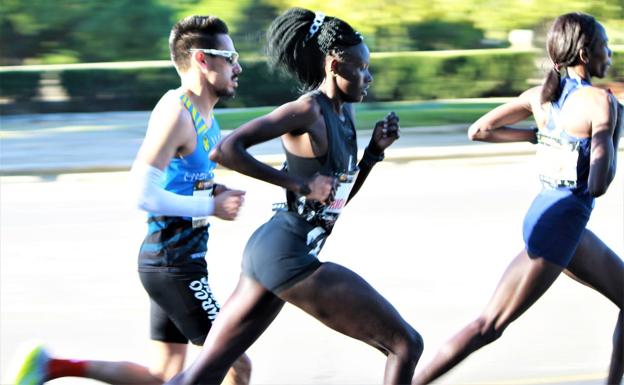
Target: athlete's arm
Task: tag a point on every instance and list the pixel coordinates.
(604, 119)
(494, 126)
(297, 116)
(169, 130)
(384, 134)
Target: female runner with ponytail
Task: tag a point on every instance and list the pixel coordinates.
(280, 260)
(579, 129)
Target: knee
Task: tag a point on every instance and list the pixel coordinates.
(410, 346)
(242, 370)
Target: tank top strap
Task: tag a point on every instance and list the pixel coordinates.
(342, 145)
(198, 120)
(569, 85)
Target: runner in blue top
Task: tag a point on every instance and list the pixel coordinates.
(578, 135)
(173, 181)
(280, 261)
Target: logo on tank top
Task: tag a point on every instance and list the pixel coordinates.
(196, 176)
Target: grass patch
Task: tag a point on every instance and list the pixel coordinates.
(412, 114)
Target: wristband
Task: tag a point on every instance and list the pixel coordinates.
(369, 159)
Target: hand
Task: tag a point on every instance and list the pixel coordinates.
(322, 188)
(228, 203)
(385, 133)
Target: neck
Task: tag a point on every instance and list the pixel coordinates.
(332, 92)
(579, 73)
(201, 94)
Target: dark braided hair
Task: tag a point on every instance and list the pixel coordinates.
(194, 32)
(289, 50)
(568, 35)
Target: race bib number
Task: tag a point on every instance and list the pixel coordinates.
(557, 161)
(202, 188)
(345, 185)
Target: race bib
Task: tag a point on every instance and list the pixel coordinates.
(557, 161)
(202, 188)
(345, 185)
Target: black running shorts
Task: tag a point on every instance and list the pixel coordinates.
(182, 306)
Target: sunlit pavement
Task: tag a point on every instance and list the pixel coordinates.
(433, 236)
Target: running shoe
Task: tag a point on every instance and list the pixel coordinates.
(29, 367)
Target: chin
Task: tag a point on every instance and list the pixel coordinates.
(226, 93)
(354, 99)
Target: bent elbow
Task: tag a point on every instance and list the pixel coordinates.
(215, 154)
(143, 204)
(598, 189)
(475, 132)
(595, 193)
(223, 151)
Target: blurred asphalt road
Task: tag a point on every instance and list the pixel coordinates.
(91, 142)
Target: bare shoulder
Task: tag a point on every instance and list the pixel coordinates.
(593, 97)
(531, 97)
(169, 108)
(532, 93)
(305, 110)
(170, 116)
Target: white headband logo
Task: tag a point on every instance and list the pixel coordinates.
(319, 17)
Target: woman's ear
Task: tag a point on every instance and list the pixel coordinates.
(334, 67)
(584, 55)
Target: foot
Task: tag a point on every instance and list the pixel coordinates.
(30, 367)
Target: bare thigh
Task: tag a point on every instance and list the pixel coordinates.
(597, 266)
(345, 302)
(242, 319)
(523, 283)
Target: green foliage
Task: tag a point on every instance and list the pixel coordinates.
(123, 89)
(260, 86)
(19, 85)
(34, 31)
(397, 76)
(450, 74)
(90, 30)
(412, 114)
(444, 35)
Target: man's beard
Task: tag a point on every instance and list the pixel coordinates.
(226, 93)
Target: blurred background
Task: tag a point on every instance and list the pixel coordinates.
(423, 49)
(78, 79)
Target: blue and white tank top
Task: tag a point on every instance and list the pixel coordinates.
(179, 244)
(563, 159)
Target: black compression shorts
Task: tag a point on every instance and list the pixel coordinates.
(182, 306)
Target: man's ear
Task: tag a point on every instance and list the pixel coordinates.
(200, 58)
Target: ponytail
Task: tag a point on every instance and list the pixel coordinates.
(292, 48)
(551, 89)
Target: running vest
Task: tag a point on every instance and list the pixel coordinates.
(339, 161)
(180, 243)
(563, 159)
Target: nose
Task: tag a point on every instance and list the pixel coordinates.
(369, 77)
(237, 68)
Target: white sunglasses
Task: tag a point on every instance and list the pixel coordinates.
(230, 56)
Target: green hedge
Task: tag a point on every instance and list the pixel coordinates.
(397, 76)
(19, 86)
(451, 74)
(114, 89)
